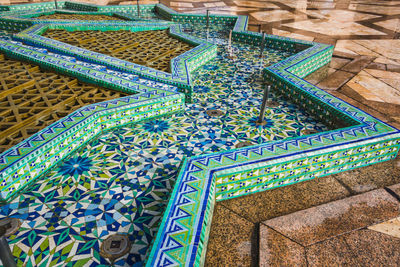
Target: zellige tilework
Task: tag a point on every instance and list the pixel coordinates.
(122, 166)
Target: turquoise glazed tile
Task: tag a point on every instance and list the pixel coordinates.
(152, 165)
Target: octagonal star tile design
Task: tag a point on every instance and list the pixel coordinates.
(120, 182)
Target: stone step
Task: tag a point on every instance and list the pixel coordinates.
(341, 232)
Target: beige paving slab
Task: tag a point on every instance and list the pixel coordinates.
(331, 252)
(144, 2)
(372, 248)
(377, 66)
(292, 35)
(321, 5)
(383, 74)
(350, 46)
(269, 16)
(338, 62)
(390, 227)
(391, 24)
(277, 250)
(335, 80)
(395, 83)
(298, 4)
(284, 200)
(395, 67)
(384, 10)
(376, 87)
(319, 75)
(230, 240)
(358, 64)
(396, 187)
(341, 15)
(385, 60)
(386, 48)
(236, 9)
(180, 4)
(319, 223)
(382, 3)
(364, 92)
(254, 4)
(333, 27)
(215, 4)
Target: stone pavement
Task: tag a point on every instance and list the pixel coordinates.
(342, 219)
(337, 220)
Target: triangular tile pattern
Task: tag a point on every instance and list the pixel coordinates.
(180, 66)
(340, 138)
(89, 70)
(381, 140)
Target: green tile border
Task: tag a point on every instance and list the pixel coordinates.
(202, 180)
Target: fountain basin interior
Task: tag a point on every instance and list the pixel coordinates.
(151, 164)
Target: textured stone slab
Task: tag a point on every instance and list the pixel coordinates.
(396, 188)
(395, 68)
(281, 201)
(322, 222)
(342, 54)
(277, 250)
(319, 75)
(230, 240)
(391, 227)
(371, 177)
(358, 64)
(331, 252)
(338, 62)
(374, 249)
(377, 66)
(336, 80)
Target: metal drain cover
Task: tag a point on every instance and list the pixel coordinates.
(262, 123)
(310, 131)
(214, 113)
(11, 224)
(115, 246)
(243, 144)
(272, 104)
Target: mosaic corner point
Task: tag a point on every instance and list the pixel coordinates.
(204, 179)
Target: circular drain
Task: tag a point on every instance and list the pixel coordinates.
(272, 104)
(243, 144)
(11, 225)
(115, 246)
(262, 123)
(310, 131)
(214, 113)
(233, 57)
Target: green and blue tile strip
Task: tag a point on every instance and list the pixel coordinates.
(182, 236)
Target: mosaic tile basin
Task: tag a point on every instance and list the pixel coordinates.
(152, 166)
